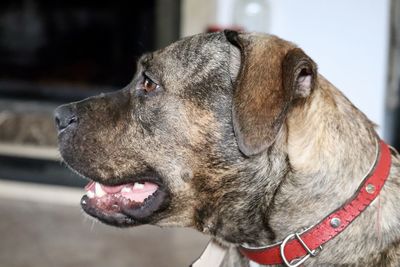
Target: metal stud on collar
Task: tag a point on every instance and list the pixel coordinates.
(370, 188)
(335, 222)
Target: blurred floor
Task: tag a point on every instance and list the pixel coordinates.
(42, 228)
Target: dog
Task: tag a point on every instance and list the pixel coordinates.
(236, 135)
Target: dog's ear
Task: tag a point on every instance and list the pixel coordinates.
(272, 74)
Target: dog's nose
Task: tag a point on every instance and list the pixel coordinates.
(65, 116)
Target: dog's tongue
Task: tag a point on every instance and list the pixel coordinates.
(91, 186)
(137, 192)
(112, 189)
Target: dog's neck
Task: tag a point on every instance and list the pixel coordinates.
(331, 146)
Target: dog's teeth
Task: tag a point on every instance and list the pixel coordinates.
(90, 194)
(126, 189)
(138, 186)
(99, 191)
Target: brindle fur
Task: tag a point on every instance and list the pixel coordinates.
(247, 152)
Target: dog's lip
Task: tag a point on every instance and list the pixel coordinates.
(122, 208)
(111, 218)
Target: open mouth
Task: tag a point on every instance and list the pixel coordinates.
(124, 204)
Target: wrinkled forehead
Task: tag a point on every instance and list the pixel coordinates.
(190, 59)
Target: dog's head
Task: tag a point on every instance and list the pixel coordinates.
(195, 139)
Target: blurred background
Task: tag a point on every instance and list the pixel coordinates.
(53, 52)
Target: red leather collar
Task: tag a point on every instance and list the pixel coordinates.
(298, 247)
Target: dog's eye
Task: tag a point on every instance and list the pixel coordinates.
(148, 85)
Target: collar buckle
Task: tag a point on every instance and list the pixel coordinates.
(298, 261)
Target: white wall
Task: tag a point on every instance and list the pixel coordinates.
(348, 39)
(349, 42)
(196, 15)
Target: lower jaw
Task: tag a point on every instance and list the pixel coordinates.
(107, 217)
(126, 213)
